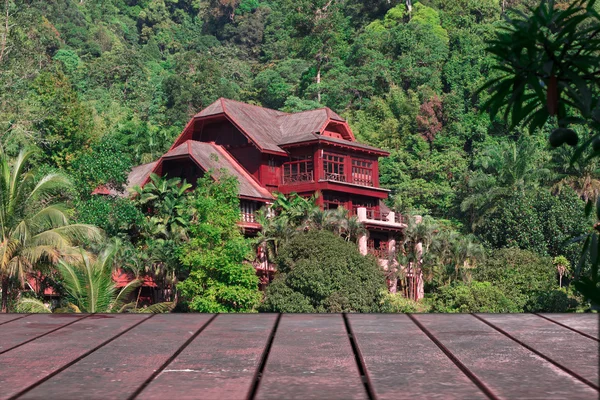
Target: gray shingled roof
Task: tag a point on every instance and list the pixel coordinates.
(270, 128)
(215, 157)
(307, 137)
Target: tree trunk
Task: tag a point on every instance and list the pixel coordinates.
(319, 83)
(4, 294)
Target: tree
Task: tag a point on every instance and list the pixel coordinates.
(481, 297)
(320, 272)
(504, 169)
(90, 287)
(521, 275)
(557, 74)
(556, 80)
(220, 279)
(563, 267)
(34, 227)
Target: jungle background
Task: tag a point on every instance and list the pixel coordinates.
(95, 87)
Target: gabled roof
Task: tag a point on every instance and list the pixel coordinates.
(311, 137)
(210, 156)
(259, 123)
(137, 176)
(268, 128)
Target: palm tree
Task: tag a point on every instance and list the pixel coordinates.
(503, 170)
(583, 175)
(91, 289)
(34, 229)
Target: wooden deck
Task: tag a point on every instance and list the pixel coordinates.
(300, 356)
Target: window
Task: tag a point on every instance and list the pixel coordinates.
(272, 164)
(333, 167)
(300, 169)
(362, 172)
(333, 201)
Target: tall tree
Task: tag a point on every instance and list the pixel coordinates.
(34, 228)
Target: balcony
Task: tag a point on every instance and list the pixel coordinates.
(383, 251)
(389, 220)
(300, 177)
(248, 211)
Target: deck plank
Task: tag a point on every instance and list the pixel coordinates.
(118, 369)
(311, 358)
(563, 346)
(586, 323)
(6, 318)
(21, 330)
(35, 361)
(506, 368)
(400, 358)
(219, 364)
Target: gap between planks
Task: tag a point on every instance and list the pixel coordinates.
(545, 357)
(478, 382)
(45, 333)
(568, 327)
(14, 319)
(81, 357)
(170, 359)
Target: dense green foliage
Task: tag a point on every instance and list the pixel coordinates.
(219, 280)
(320, 272)
(473, 297)
(98, 86)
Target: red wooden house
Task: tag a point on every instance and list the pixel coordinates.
(268, 151)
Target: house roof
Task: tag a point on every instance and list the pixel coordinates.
(210, 156)
(309, 137)
(137, 176)
(269, 129)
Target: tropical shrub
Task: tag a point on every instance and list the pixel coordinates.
(219, 278)
(321, 272)
(473, 297)
(520, 274)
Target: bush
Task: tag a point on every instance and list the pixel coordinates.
(321, 272)
(473, 297)
(520, 274)
(396, 303)
(537, 221)
(555, 301)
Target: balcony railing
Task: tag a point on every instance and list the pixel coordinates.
(248, 211)
(380, 252)
(330, 176)
(298, 178)
(377, 215)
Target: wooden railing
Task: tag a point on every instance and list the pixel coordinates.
(248, 210)
(330, 176)
(298, 178)
(381, 252)
(377, 215)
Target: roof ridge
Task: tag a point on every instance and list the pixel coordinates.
(238, 166)
(253, 105)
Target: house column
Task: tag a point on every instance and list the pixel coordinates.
(361, 214)
(419, 271)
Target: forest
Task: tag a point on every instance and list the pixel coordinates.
(89, 89)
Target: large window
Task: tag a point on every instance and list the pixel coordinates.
(333, 201)
(333, 167)
(298, 170)
(362, 172)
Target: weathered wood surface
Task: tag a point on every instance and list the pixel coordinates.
(267, 356)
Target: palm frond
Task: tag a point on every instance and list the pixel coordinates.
(27, 305)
